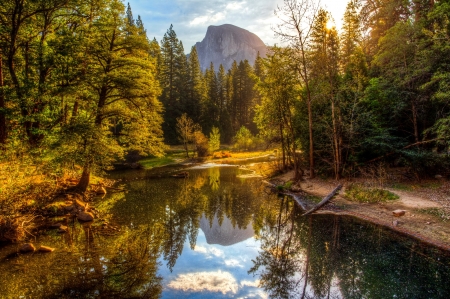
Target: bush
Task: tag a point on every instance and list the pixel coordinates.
(201, 144)
(243, 139)
(359, 193)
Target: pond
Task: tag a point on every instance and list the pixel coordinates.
(219, 234)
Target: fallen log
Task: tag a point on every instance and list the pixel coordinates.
(324, 201)
(294, 196)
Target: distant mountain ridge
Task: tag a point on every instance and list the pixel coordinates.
(226, 43)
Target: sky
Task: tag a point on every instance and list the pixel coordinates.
(191, 18)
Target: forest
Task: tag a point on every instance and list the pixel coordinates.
(83, 86)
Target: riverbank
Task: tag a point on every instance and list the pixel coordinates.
(426, 206)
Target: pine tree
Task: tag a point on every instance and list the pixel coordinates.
(120, 87)
(173, 76)
(195, 86)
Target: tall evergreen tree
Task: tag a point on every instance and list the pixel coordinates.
(173, 76)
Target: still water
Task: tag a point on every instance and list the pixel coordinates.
(218, 234)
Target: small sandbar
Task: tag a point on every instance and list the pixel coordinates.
(210, 165)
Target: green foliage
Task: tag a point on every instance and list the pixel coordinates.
(359, 193)
(243, 139)
(214, 139)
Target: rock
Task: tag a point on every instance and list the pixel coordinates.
(398, 213)
(27, 247)
(85, 216)
(101, 190)
(46, 249)
(438, 176)
(63, 229)
(80, 204)
(55, 225)
(68, 208)
(227, 43)
(395, 222)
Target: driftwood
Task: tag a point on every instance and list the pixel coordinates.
(324, 201)
(294, 196)
(181, 175)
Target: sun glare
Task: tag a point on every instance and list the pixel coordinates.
(330, 24)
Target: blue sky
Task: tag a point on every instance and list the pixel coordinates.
(191, 18)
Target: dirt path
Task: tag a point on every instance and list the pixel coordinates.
(426, 227)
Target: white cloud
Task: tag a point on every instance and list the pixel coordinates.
(208, 19)
(235, 5)
(217, 282)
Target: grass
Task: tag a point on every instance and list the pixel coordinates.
(436, 212)
(313, 198)
(414, 186)
(362, 194)
(253, 154)
(173, 155)
(148, 163)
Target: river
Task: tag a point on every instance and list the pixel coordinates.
(220, 234)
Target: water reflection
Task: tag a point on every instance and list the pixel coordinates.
(341, 257)
(216, 235)
(96, 268)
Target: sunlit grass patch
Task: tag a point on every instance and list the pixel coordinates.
(437, 212)
(363, 194)
(155, 161)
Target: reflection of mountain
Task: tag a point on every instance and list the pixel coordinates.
(224, 234)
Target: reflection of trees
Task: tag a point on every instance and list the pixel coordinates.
(281, 253)
(182, 220)
(214, 178)
(327, 256)
(123, 267)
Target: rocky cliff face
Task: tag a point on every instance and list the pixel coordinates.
(225, 43)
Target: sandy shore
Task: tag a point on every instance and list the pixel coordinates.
(415, 223)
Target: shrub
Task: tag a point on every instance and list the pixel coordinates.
(201, 144)
(359, 193)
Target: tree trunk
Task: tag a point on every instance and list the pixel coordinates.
(337, 158)
(3, 129)
(416, 129)
(75, 109)
(85, 178)
(311, 141)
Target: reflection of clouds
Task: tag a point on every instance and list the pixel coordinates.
(210, 251)
(233, 263)
(248, 283)
(257, 294)
(219, 281)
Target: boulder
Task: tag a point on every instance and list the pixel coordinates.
(27, 247)
(79, 204)
(63, 229)
(101, 190)
(46, 249)
(55, 225)
(398, 213)
(68, 208)
(85, 216)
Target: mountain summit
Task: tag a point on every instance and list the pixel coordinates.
(225, 43)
